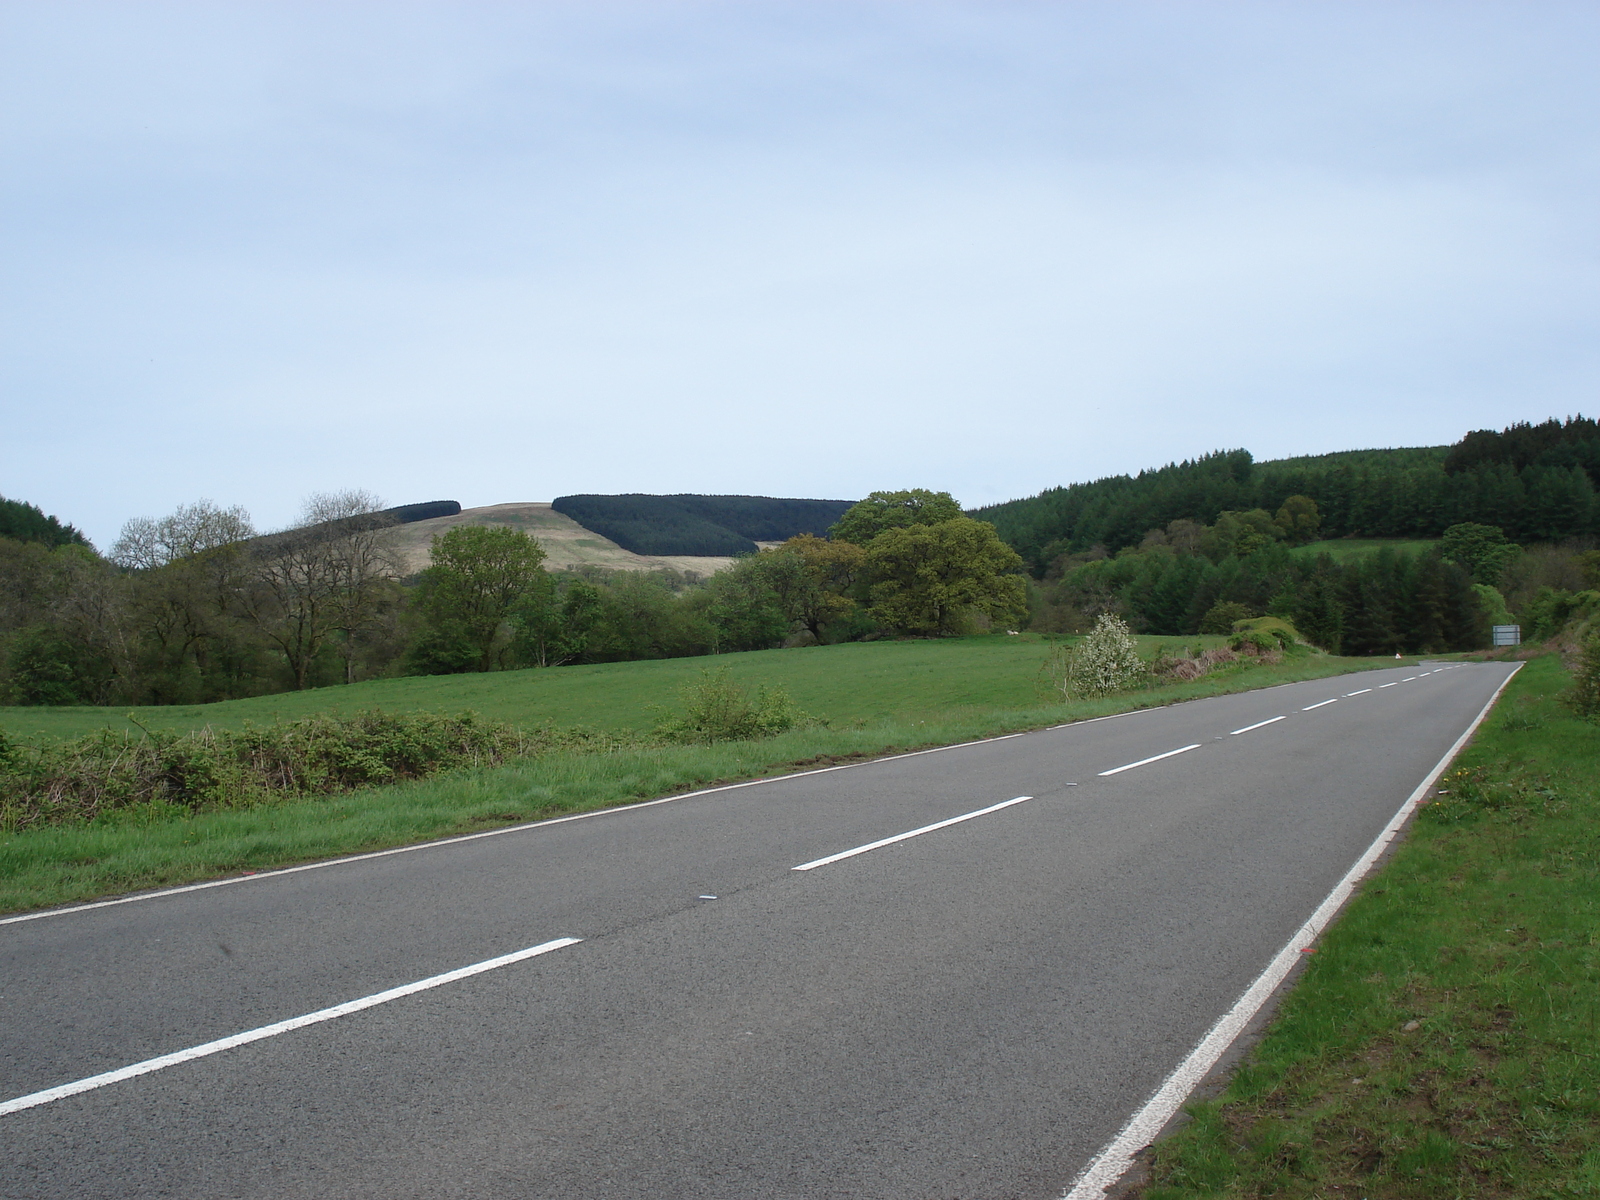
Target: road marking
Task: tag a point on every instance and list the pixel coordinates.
(1396, 683)
(488, 833)
(1151, 759)
(900, 837)
(1116, 1157)
(1091, 720)
(1408, 678)
(34, 1099)
(1257, 725)
(1319, 704)
(1362, 692)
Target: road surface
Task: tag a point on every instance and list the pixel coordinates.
(745, 1008)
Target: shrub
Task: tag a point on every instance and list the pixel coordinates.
(1584, 698)
(1106, 660)
(1281, 629)
(98, 775)
(715, 709)
(1186, 667)
(1220, 617)
(1259, 643)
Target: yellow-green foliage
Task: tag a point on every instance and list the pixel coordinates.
(1279, 628)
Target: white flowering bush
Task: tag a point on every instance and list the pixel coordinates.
(1105, 661)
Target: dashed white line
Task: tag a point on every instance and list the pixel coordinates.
(545, 823)
(1409, 678)
(1151, 759)
(1319, 704)
(1114, 1159)
(1396, 683)
(1362, 692)
(34, 1099)
(1257, 725)
(911, 833)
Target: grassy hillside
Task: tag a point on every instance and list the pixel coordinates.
(849, 682)
(566, 543)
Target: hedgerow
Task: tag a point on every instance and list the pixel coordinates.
(107, 774)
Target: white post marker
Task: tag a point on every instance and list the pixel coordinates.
(34, 1099)
(1116, 1157)
(1153, 758)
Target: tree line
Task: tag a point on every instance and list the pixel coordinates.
(23, 522)
(699, 525)
(1190, 578)
(1537, 483)
(199, 606)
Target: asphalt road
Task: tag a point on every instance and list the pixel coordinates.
(968, 1013)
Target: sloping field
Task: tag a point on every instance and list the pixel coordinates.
(1346, 549)
(855, 681)
(567, 543)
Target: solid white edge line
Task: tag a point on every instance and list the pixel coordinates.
(1309, 707)
(900, 837)
(1151, 759)
(1257, 725)
(34, 1099)
(1114, 1160)
(1132, 712)
(488, 833)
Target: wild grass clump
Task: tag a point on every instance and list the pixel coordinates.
(105, 775)
(1186, 666)
(714, 708)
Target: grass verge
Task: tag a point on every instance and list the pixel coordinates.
(1445, 1039)
(138, 849)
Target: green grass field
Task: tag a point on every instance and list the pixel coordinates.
(862, 681)
(1344, 549)
(877, 698)
(1445, 1039)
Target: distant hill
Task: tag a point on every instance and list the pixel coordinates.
(405, 514)
(1538, 483)
(699, 525)
(566, 544)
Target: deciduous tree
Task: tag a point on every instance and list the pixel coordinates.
(893, 510)
(480, 576)
(932, 579)
(822, 590)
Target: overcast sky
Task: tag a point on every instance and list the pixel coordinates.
(497, 252)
